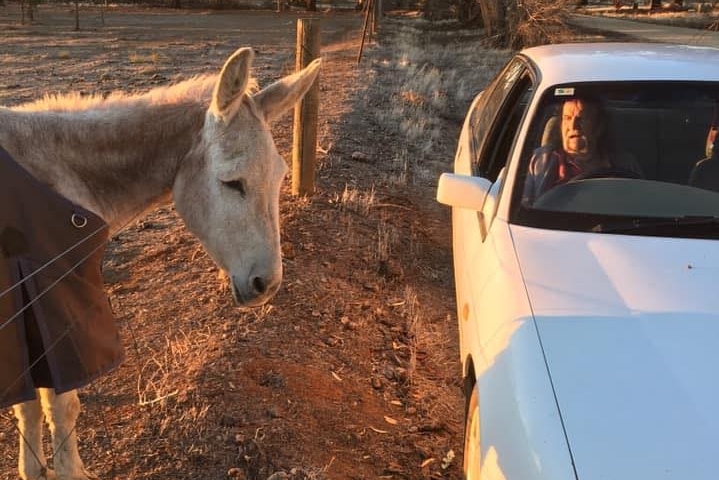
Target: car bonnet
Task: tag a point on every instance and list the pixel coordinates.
(629, 326)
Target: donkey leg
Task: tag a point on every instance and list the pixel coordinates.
(31, 463)
(61, 412)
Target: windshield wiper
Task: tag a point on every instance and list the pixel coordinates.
(695, 224)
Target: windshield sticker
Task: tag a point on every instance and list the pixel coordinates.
(564, 92)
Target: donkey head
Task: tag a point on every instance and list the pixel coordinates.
(228, 191)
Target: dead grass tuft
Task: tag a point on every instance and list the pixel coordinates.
(432, 81)
(355, 200)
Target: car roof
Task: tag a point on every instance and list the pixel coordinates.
(582, 62)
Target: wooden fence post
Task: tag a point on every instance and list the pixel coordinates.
(304, 143)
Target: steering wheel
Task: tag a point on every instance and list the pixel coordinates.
(606, 172)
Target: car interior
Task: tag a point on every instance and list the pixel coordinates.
(667, 142)
(667, 128)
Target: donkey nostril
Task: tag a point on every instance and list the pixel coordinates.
(259, 285)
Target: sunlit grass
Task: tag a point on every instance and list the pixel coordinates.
(138, 57)
(355, 200)
(432, 81)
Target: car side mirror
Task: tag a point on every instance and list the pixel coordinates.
(462, 191)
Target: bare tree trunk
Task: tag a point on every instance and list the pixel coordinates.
(494, 19)
(311, 5)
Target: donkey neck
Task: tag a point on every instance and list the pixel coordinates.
(118, 162)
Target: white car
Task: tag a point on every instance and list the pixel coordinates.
(587, 282)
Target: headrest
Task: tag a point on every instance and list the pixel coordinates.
(551, 136)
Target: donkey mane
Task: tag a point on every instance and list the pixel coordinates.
(196, 88)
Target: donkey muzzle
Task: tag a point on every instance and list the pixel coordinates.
(256, 290)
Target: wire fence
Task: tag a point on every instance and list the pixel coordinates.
(17, 319)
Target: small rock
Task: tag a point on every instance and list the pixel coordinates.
(236, 473)
(372, 287)
(360, 157)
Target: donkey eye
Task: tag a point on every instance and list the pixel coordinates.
(237, 185)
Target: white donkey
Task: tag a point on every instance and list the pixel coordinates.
(204, 143)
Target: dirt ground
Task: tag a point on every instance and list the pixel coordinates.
(352, 371)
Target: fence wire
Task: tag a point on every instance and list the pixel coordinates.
(6, 322)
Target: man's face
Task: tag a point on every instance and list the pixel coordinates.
(579, 127)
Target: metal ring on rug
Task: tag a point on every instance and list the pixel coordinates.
(78, 220)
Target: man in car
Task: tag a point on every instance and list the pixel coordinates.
(705, 173)
(584, 149)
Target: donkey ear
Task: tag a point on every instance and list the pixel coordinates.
(279, 97)
(232, 83)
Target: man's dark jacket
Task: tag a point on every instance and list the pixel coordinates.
(56, 324)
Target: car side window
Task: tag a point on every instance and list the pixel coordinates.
(495, 121)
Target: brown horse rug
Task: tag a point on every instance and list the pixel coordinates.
(56, 324)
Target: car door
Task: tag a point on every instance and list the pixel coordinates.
(488, 140)
(499, 344)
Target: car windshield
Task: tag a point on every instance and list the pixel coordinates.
(623, 157)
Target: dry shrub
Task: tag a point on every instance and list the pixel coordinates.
(537, 22)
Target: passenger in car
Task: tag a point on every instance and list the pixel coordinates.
(705, 173)
(585, 150)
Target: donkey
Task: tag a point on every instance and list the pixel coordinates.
(206, 145)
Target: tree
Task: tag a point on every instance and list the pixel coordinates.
(494, 19)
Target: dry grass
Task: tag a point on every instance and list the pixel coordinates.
(433, 81)
(431, 77)
(362, 327)
(356, 200)
(145, 57)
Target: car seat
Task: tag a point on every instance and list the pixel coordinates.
(551, 136)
